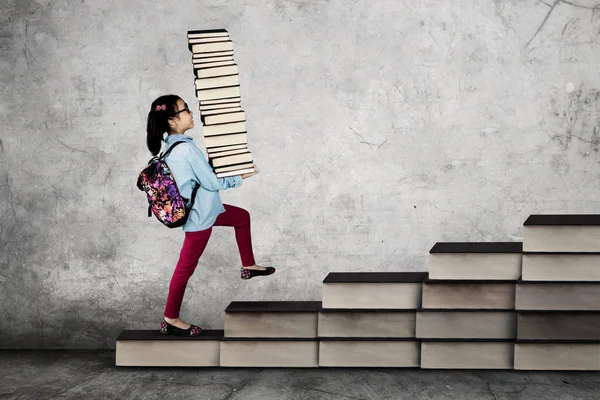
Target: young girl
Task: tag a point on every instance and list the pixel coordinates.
(170, 114)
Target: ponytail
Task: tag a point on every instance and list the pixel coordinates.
(158, 121)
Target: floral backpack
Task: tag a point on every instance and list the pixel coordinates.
(164, 198)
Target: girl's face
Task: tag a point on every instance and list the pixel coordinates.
(183, 119)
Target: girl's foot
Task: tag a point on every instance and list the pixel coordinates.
(178, 327)
(256, 270)
(256, 267)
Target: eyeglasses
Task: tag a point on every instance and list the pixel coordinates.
(186, 108)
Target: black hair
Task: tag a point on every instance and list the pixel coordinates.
(161, 110)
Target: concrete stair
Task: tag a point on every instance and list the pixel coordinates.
(467, 354)
(376, 326)
(271, 334)
(373, 290)
(470, 323)
(533, 305)
(475, 261)
(558, 297)
(150, 348)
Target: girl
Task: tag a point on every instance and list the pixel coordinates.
(188, 165)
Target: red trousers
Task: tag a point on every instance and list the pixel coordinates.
(193, 247)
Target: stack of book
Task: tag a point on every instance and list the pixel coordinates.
(216, 78)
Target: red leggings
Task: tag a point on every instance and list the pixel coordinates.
(193, 247)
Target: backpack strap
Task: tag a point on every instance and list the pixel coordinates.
(195, 190)
(166, 153)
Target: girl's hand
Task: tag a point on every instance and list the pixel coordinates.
(249, 174)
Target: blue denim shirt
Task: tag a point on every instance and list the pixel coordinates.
(188, 166)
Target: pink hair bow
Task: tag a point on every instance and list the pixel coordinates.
(163, 107)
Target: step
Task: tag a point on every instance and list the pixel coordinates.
(545, 295)
(150, 348)
(270, 352)
(272, 319)
(562, 233)
(558, 325)
(369, 352)
(469, 294)
(390, 290)
(366, 323)
(557, 356)
(475, 260)
(466, 354)
(561, 266)
(472, 323)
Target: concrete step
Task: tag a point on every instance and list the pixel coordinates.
(558, 325)
(359, 323)
(469, 294)
(150, 348)
(557, 356)
(389, 290)
(272, 319)
(466, 354)
(561, 266)
(369, 352)
(544, 295)
(270, 352)
(475, 261)
(473, 323)
(562, 233)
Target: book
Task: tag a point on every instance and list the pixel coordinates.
(224, 118)
(225, 140)
(218, 93)
(212, 107)
(220, 101)
(217, 81)
(224, 129)
(234, 167)
(230, 152)
(200, 56)
(209, 39)
(234, 173)
(213, 150)
(225, 70)
(231, 160)
(207, 33)
(210, 46)
(220, 111)
(213, 62)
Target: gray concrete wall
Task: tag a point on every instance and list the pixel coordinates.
(380, 127)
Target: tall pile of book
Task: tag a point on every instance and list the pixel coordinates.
(216, 78)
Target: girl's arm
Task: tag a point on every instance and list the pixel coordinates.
(205, 174)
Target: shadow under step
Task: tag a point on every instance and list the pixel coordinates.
(552, 295)
(471, 323)
(469, 294)
(558, 325)
(361, 323)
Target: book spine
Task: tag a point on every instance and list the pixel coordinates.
(210, 47)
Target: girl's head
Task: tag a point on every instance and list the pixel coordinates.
(168, 114)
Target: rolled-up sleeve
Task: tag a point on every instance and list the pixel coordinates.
(205, 174)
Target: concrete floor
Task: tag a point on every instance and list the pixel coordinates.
(62, 374)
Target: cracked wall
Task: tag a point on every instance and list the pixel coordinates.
(379, 129)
